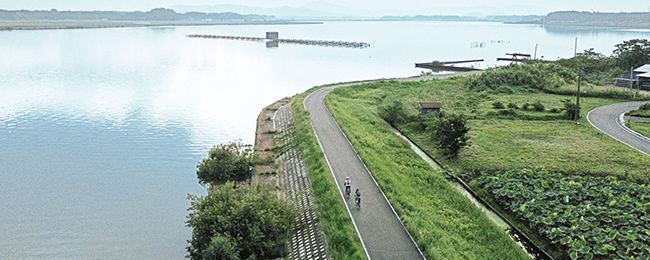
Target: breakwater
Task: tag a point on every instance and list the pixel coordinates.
(340, 44)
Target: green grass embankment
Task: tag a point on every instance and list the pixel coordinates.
(342, 239)
(444, 223)
(518, 139)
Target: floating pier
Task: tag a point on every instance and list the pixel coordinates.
(516, 57)
(272, 40)
(447, 65)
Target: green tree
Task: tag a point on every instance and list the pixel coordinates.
(590, 61)
(449, 133)
(230, 161)
(240, 222)
(632, 54)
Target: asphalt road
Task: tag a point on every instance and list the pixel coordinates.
(609, 120)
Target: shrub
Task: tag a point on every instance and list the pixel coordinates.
(527, 77)
(498, 105)
(569, 109)
(392, 112)
(538, 106)
(525, 106)
(554, 110)
(508, 112)
(230, 161)
(513, 105)
(449, 133)
(240, 221)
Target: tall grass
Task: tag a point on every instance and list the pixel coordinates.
(444, 223)
(342, 239)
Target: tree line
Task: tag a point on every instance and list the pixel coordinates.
(157, 14)
(596, 19)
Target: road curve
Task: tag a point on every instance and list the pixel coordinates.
(382, 233)
(609, 120)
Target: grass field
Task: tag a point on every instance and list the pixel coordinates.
(498, 142)
(444, 223)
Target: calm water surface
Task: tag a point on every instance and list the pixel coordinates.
(101, 130)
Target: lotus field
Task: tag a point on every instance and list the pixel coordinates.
(587, 217)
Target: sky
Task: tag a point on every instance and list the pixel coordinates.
(532, 7)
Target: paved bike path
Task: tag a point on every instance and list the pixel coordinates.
(608, 119)
(382, 233)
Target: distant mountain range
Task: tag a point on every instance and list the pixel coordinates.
(322, 10)
(158, 14)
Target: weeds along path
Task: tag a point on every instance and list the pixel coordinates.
(609, 120)
(382, 233)
(308, 241)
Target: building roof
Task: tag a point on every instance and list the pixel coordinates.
(643, 69)
(430, 104)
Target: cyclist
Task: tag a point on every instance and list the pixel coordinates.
(358, 197)
(347, 184)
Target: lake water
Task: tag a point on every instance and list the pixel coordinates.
(101, 129)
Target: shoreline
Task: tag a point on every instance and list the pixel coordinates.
(27, 25)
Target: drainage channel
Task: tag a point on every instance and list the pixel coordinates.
(519, 237)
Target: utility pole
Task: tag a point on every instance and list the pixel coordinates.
(535, 56)
(631, 80)
(575, 49)
(578, 95)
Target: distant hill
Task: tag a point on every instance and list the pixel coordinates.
(595, 19)
(313, 10)
(158, 14)
(500, 18)
(320, 9)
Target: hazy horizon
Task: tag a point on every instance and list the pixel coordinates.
(376, 7)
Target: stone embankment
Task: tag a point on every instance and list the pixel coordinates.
(275, 138)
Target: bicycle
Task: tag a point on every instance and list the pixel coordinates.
(347, 192)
